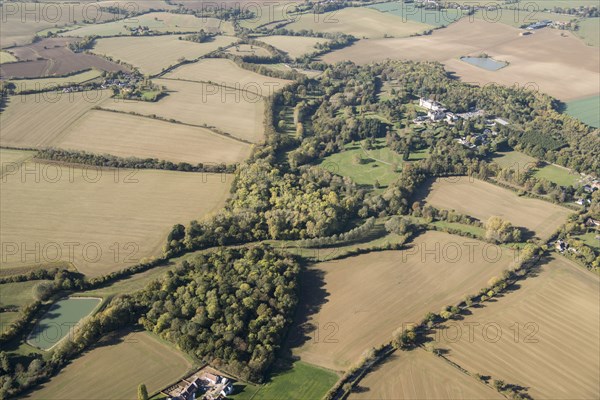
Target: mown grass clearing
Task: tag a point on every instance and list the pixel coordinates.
(551, 322)
(408, 12)
(589, 31)
(14, 296)
(361, 300)
(115, 368)
(300, 381)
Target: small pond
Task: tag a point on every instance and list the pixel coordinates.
(485, 62)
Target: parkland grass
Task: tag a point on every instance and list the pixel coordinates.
(586, 110)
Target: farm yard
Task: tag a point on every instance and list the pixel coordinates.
(226, 73)
(360, 22)
(360, 307)
(295, 46)
(158, 22)
(59, 321)
(153, 54)
(418, 374)
(125, 135)
(235, 112)
(558, 315)
(115, 367)
(75, 205)
(482, 200)
(540, 61)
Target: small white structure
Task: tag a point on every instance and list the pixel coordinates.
(431, 105)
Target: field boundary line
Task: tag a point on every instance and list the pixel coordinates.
(213, 83)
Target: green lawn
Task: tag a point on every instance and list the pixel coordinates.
(559, 175)
(17, 294)
(514, 159)
(474, 230)
(586, 110)
(128, 285)
(377, 164)
(590, 239)
(302, 381)
(589, 31)
(57, 322)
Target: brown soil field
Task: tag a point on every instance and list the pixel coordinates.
(226, 73)
(563, 67)
(295, 46)
(52, 57)
(113, 218)
(358, 302)
(21, 21)
(38, 120)
(358, 21)
(152, 54)
(483, 200)
(418, 375)
(127, 135)
(239, 113)
(545, 336)
(115, 368)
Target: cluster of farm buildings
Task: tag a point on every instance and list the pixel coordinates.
(205, 384)
(437, 112)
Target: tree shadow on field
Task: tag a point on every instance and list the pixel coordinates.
(312, 297)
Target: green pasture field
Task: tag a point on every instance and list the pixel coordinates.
(56, 323)
(301, 381)
(586, 110)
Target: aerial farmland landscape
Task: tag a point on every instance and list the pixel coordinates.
(299, 199)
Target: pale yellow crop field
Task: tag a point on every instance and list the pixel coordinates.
(152, 54)
(102, 220)
(545, 336)
(225, 72)
(115, 368)
(359, 22)
(127, 135)
(37, 120)
(157, 22)
(420, 375)
(238, 113)
(295, 46)
(368, 297)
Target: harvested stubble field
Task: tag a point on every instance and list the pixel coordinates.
(248, 50)
(156, 22)
(556, 356)
(417, 375)
(52, 56)
(152, 54)
(115, 368)
(37, 120)
(53, 83)
(358, 21)
(562, 66)
(117, 217)
(21, 20)
(362, 300)
(295, 46)
(482, 200)
(236, 112)
(225, 72)
(127, 135)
